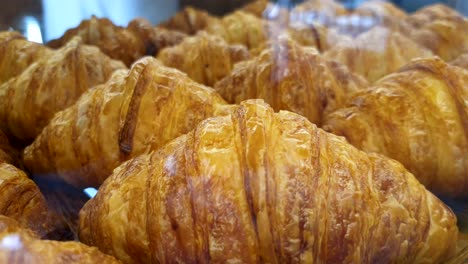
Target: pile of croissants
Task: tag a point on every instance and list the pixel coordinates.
(314, 134)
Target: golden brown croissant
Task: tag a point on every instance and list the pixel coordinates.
(291, 77)
(29, 100)
(431, 13)
(446, 37)
(418, 116)
(376, 53)
(260, 187)
(21, 199)
(17, 54)
(128, 44)
(461, 61)
(205, 58)
(189, 20)
(22, 246)
(134, 112)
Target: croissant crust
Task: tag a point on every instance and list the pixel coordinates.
(260, 187)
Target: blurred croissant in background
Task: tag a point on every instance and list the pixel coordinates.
(128, 44)
(205, 58)
(29, 100)
(418, 116)
(376, 53)
(17, 54)
(263, 187)
(291, 77)
(134, 112)
(19, 245)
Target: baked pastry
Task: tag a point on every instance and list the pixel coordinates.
(189, 20)
(431, 13)
(418, 116)
(29, 100)
(205, 58)
(128, 44)
(240, 28)
(21, 199)
(18, 54)
(22, 246)
(134, 112)
(445, 37)
(461, 61)
(291, 77)
(260, 187)
(376, 53)
(324, 11)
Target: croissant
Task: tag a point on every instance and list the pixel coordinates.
(18, 54)
(291, 77)
(418, 116)
(326, 10)
(19, 245)
(445, 37)
(260, 187)
(461, 61)
(128, 44)
(431, 13)
(134, 112)
(21, 199)
(204, 57)
(29, 100)
(376, 53)
(189, 20)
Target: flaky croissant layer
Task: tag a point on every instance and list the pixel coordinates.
(22, 246)
(418, 116)
(260, 187)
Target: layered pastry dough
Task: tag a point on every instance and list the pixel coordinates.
(291, 77)
(205, 58)
(29, 100)
(134, 112)
(22, 246)
(128, 44)
(17, 54)
(418, 116)
(21, 199)
(378, 52)
(260, 187)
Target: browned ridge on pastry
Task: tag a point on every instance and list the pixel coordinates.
(17, 54)
(134, 112)
(291, 77)
(418, 116)
(22, 246)
(29, 100)
(128, 44)
(205, 58)
(260, 187)
(378, 52)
